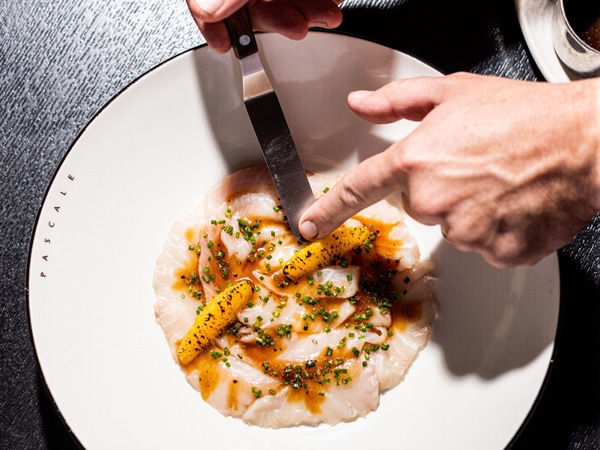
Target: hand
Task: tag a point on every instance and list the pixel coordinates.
(509, 169)
(291, 18)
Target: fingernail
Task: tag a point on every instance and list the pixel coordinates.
(360, 94)
(209, 6)
(320, 24)
(308, 230)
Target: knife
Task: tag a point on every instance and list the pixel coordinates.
(270, 126)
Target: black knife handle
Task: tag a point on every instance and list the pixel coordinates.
(241, 33)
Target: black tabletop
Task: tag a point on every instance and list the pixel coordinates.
(62, 61)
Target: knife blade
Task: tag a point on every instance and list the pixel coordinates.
(269, 123)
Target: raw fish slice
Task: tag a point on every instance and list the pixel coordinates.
(176, 314)
(409, 338)
(302, 347)
(344, 278)
(345, 403)
(400, 245)
(229, 384)
(286, 325)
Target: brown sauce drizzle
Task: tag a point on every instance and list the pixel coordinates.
(186, 277)
(309, 381)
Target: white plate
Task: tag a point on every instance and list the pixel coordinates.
(535, 17)
(168, 138)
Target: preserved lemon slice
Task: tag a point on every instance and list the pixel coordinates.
(324, 252)
(213, 319)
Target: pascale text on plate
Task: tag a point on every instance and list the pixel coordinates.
(49, 222)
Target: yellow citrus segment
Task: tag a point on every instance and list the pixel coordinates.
(213, 319)
(324, 252)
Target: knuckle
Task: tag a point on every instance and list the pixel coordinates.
(350, 197)
(472, 232)
(427, 205)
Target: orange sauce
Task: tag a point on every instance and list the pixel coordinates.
(310, 381)
(208, 374)
(187, 275)
(404, 314)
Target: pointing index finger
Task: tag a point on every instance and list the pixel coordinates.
(371, 181)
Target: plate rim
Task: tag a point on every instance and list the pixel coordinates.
(547, 62)
(43, 203)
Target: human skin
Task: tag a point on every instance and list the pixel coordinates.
(507, 168)
(290, 18)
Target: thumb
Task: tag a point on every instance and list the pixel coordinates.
(410, 98)
(213, 10)
(371, 181)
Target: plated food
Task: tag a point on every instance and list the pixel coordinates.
(487, 314)
(281, 333)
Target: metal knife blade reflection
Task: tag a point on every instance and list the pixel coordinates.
(270, 126)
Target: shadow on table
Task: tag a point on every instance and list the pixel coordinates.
(567, 413)
(493, 321)
(312, 88)
(58, 434)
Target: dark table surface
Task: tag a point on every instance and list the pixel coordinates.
(62, 61)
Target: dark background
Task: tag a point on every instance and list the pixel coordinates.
(62, 61)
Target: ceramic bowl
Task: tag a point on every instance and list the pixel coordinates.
(576, 36)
